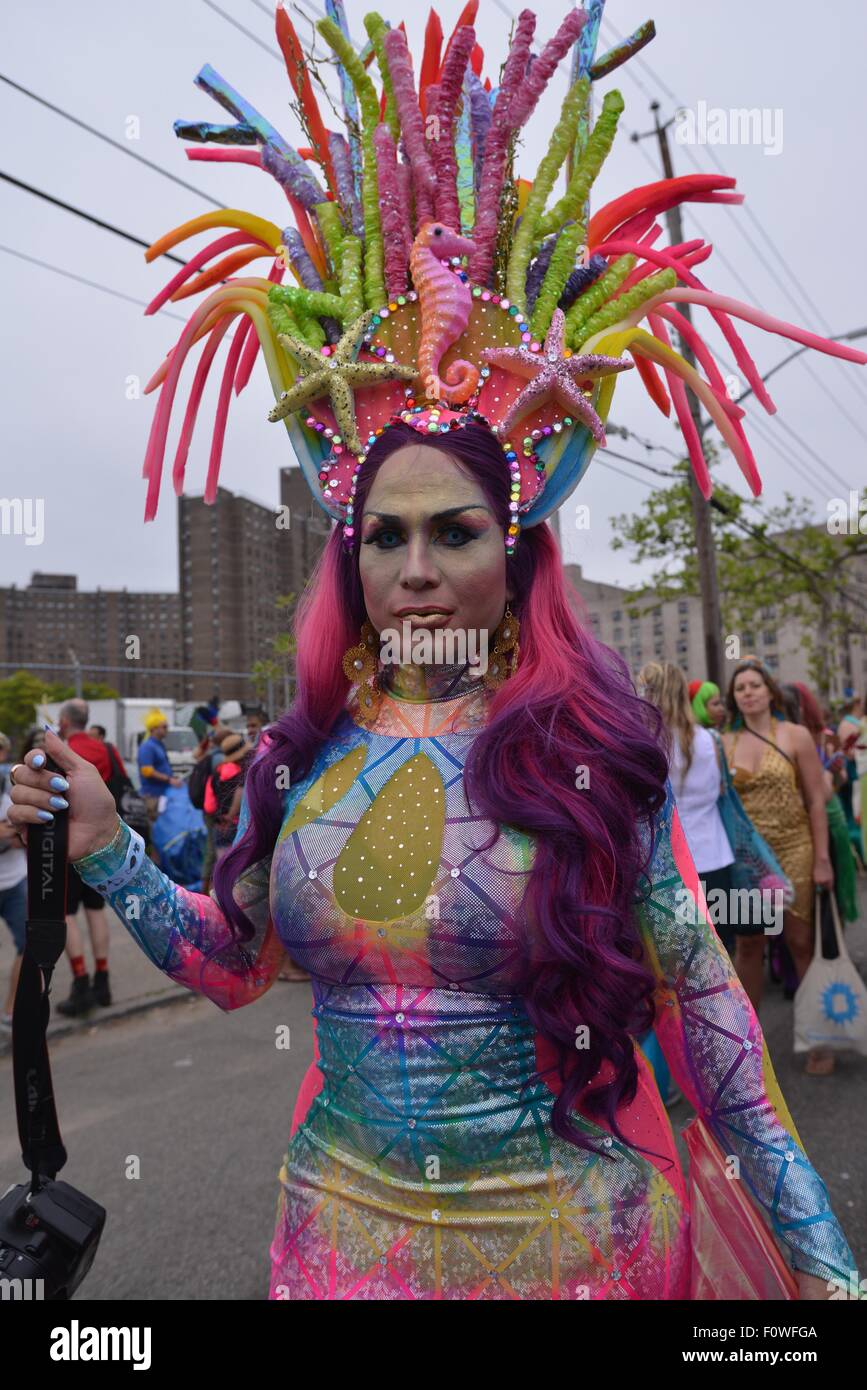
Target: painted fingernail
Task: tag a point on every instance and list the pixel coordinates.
(59, 803)
(38, 759)
(59, 784)
(45, 815)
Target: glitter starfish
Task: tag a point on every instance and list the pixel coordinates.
(553, 377)
(335, 376)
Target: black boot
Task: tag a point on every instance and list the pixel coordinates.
(101, 991)
(80, 999)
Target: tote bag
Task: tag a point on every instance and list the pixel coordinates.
(831, 1001)
(733, 1253)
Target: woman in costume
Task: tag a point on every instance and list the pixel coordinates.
(708, 705)
(694, 757)
(777, 774)
(480, 864)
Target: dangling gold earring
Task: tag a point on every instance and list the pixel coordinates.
(504, 657)
(359, 667)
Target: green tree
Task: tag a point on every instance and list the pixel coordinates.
(778, 557)
(90, 690)
(21, 692)
(279, 661)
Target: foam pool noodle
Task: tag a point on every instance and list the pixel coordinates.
(561, 139)
(376, 31)
(582, 277)
(593, 298)
(561, 266)
(587, 167)
(374, 283)
(630, 300)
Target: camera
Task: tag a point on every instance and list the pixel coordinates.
(48, 1238)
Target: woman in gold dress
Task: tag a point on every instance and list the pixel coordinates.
(778, 776)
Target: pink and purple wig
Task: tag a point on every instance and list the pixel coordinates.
(570, 754)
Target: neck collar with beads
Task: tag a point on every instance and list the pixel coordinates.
(421, 684)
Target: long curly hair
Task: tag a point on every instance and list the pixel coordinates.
(569, 755)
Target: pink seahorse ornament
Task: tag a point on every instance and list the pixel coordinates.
(445, 302)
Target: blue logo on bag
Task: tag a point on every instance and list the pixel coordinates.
(840, 1003)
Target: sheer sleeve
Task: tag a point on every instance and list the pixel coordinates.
(712, 1041)
(186, 934)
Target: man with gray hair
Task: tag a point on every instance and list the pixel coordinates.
(72, 726)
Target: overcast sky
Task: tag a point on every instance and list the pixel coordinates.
(73, 438)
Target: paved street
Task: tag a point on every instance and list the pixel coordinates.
(204, 1100)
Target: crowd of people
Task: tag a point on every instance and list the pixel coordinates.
(766, 781)
(215, 788)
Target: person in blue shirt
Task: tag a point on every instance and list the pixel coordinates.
(154, 767)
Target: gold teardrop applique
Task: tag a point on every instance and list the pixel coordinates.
(390, 860)
(326, 791)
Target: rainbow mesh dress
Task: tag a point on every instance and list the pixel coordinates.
(422, 1163)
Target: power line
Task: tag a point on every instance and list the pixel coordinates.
(620, 473)
(762, 427)
(116, 144)
(87, 216)
(855, 384)
(626, 433)
(816, 460)
(236, 24)
(317, 9)
(82, 280)
(270, 11)
(776, 550)
(625, 458)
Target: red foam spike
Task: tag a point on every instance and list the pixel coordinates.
(430, 63)
(650, 195)
(299, 76)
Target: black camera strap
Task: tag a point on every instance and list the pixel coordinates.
(47, 852)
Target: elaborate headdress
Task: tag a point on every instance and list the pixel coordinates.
(431, 284)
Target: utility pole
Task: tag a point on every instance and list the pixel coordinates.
(706, 554)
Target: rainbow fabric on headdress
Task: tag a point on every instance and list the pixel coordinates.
(427, 274)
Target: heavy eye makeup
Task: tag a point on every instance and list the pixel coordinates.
(387, 533)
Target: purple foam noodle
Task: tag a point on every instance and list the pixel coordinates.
(395, 232)
(308, 275)
(542, 68)
(480, 122)
(344, 175)
(538, 269)
(404, 188)
(412, 125)
(291, 178)
(582, 278)
(301, 259)
(443, 148)
(496, 150)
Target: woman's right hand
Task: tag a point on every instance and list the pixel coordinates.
(92, 812)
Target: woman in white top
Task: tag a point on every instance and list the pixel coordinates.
(696, 778)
